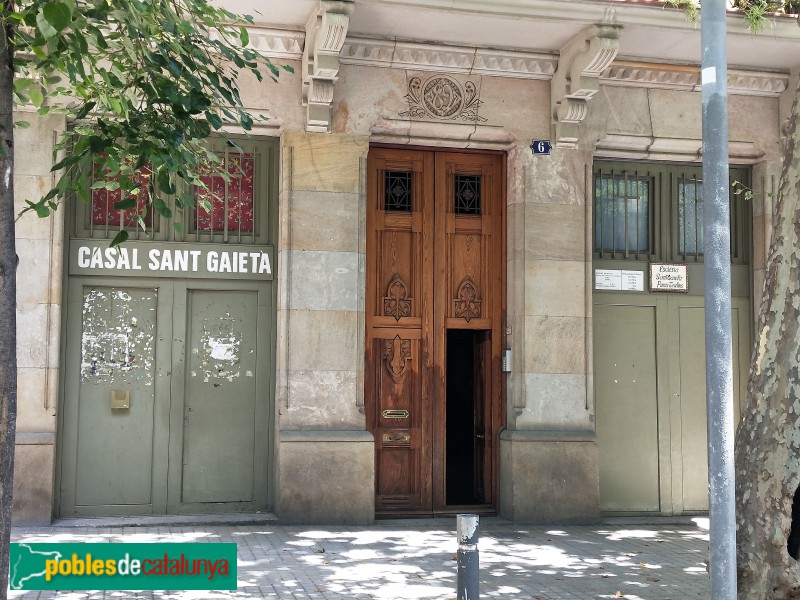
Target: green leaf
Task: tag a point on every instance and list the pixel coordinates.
(126, 204)
(162, 208)
(45, 28)
(214, 120)
(21, 124)
(58, 14)
(36, 96)
(39, 208)
(244, 37)
(120, 238)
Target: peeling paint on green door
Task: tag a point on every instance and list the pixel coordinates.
(193, 362)
(168, 389)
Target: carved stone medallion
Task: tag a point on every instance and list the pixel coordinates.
(396, 353)
(396, 303)
(442, 97)
(467, 304)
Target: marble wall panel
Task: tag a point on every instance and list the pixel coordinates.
(36, 144)
(365, 95)
(29, 226)
(324, 221)
(33, 484)
(36, 395)
(560, 178)
(555, 231)
(324, 281)
(555, 288)
(326, 477)
(555, 345)
(619, 110)
(323, 162)
(555, 401)
(33, 332)
(324, 340)
(676, 114)
(280, 100)
(322, 400)
(33, 275)
(755, 119)
(548, 480)
(521, 107)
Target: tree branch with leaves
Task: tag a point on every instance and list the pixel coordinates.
(142, 84)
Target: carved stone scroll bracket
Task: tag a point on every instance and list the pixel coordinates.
(325, 34)
(396, 303)
(577, 78)
(467, 304)
(396, 354)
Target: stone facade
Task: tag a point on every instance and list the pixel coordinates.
(638, 105)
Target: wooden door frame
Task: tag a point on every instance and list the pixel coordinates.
(436, 479)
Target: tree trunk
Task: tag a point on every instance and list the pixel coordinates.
(768, 438)
(8, 302)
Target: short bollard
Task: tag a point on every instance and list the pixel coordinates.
(467, 582)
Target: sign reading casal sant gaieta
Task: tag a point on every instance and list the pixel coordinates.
(170, 259)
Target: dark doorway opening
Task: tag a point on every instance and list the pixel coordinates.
(465, 407)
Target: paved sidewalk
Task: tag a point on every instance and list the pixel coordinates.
(415, 559)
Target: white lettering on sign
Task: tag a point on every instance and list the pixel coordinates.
(668, 278)
(170, 260)
(108, 258)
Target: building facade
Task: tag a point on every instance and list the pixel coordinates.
(459, 267)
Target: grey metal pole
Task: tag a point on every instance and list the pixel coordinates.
(719, 348)
(468, 584)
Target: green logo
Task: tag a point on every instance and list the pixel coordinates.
(203, 566)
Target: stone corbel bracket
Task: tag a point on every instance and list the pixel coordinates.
(325, 34)
(582, 61)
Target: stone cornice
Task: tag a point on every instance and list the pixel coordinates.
(641, 74)
(277, 43)
(524, 65)
(451, 59)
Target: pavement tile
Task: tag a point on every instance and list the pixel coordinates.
(414, 560)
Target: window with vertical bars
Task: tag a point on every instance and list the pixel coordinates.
(397, 191)
(467, 194)
(227, 201)
(646, 211)
(690, 216)
(104, 200)
(622, 215)
(232, 208)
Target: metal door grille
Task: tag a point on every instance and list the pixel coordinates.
(622, 214)
(233, 209)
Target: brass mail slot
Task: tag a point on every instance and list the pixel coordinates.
(389, 437)
(120, 400)
(395, 414)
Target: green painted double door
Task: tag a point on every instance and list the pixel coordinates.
(166, 397)
(649, 378)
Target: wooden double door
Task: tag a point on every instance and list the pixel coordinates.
(434, 328)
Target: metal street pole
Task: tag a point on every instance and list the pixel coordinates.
(719, 352)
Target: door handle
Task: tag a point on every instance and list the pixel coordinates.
(480, 436)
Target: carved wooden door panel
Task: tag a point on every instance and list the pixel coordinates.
(468, 287)
(398, 318)
(435, 262)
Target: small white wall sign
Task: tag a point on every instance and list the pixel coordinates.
(607, 279)
(669, 277)
(619, 280)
